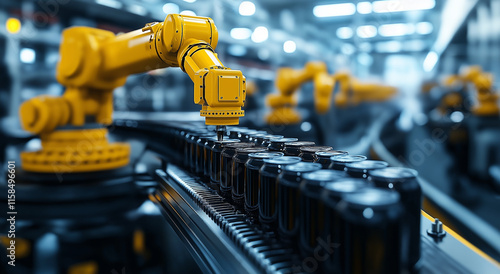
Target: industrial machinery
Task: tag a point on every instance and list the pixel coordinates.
(93, 62)
(351, 91)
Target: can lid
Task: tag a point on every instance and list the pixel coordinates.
(248, 150)
(300, 144)
(270, 136)
(330, 153)
(348, 158)
(323, 175)
(282, 140)
(393, 173)
(226, 141)
(344, 185)
(265, 155)
(366, 165)
(371, 197)
(285, 160)
(313, 149)
(302, 167)
(239, 145)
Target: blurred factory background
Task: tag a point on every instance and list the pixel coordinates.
(422, 83)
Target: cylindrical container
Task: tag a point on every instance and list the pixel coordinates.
(334, 226)
(215, 161)
(360, 169)
(307, 153)
(404, 181)
(324, 157)
(372, 218)
(207, 151)
(289, 199)
(264, 141)
(278, 144)
(192, 149)
(200, 152)
(246, 136)
(339, 161)
(235, 132)
(226, 167)
(312, 209)
(268, 190)
(293, 148)
(239, 171)
(252, 180)
(251, 136)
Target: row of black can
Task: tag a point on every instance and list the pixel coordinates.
(343, 212)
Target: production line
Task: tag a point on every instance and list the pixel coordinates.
(141, 152)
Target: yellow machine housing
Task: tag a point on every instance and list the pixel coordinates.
(93, 62)
(351, 91)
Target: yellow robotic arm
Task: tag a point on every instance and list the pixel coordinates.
(487, 98)
(353, 92)
(288, 80)
(93, 62)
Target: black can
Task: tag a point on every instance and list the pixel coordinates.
(324, 157)
(207, 151)
(404, 181)
(312, 209)
(268, 190)
(226, 167)
(334, 226)
(372, 218)
(239, 171)
(307, 153)
(289, 199)
(252, 180)
(293, 148)
(360, 169)
(252, 135)
(235, 133)
(192, 149)
(339, 161)
(264, 141)
(278, 144)
(200, 152)
(216, 160)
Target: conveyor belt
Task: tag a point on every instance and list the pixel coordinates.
(223, 239)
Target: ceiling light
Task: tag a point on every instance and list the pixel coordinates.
(289, 46)
(424, 28)
(402, 5)
(190, 1)
(390, 30)
(367, 31)
(241, 33)
(27, 55)
(260, 34)
(170, 8)
(364, 7)
(247, 8)
(334, 10)
(345, 32)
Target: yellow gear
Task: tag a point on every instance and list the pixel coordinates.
(81, 150)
